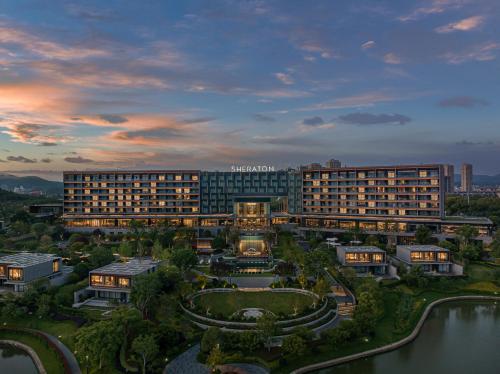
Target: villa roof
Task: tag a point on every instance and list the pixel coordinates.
(133, 267)
(26, 259)
(423, 248)
(361, 248)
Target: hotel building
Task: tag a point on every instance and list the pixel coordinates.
(385, 199)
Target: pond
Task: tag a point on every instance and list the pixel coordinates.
(15, 360)
(458, 338)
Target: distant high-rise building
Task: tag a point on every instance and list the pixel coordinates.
(314, 165)
(333, 164)
(449, 178)
(466, 178)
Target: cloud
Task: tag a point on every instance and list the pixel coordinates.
(374, 119)
(46, 160)
(467, 143)
(113, 118)
(21, 159)
(313, 121)
(367, 45)
(466, 24)
(481, 52)
(316, 122)
(78, 160)
(462, 102)
(392, 58)
(36, 44)
(263, 118)
(432, 7)
(284, 78)
(355, 101)
(31, 133)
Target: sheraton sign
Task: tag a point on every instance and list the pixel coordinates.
(254, 168)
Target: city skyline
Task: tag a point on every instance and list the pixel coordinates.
(210, 85)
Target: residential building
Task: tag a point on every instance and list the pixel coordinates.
(115, 280)
(449, 178)
(19, 270)
(333, 164)
(432, 259)
(466, 178)
(363, 259)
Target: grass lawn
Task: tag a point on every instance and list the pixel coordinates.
(277, 302)
(63, 330)
(478, 272)
(49, 357)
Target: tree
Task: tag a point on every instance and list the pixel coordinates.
(210, 339)
(100, 257)
(423, 235)
(39, 229)
(294, 346)
(218, 243)
(99, 342)
(43, 305)
(146, 347)
(315, 262)
(215, 358)
(349, 274)
(321, 288)
(126, 249)
(145, 289)
(366, 312)
(268, 328)
(302, 279)
(158, 252)
(137, 230)
(184, 259)
(466, 234)
(471, 252)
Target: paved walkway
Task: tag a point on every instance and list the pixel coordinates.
(186, 363)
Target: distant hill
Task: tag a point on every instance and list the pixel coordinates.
(31, 183)
(481, 180)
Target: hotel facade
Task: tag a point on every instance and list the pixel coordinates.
(384, 199)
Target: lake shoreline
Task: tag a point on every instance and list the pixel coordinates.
(398, 344)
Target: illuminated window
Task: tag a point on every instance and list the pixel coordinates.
(391, 174)
(324, 176)
(55, 266)
(422, 173)
(123, 282)
(15, 274)
(137, 184)
(194, 177)
(442, 256)
(161, 177)
(361, 174)
(178, 177)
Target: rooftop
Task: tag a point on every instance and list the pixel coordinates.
(133, 267)
(26, 259)
(361, 248)
(423, 248)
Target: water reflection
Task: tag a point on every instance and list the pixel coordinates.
(461, 337)
(15, 360)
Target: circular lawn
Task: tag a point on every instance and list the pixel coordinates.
(227, 303)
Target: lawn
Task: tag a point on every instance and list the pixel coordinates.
(49, 357)
(226, 303)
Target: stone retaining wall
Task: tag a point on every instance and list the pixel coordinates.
(30, 351)
(395, 345)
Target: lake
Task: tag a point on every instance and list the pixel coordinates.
(458, 337)
(15, 360)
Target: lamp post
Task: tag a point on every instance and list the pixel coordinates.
(87, 364)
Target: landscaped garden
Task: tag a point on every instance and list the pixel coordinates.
(226, 304)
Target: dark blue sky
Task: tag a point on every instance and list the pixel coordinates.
(208, 84)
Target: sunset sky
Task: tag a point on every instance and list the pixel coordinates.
(208, 84)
